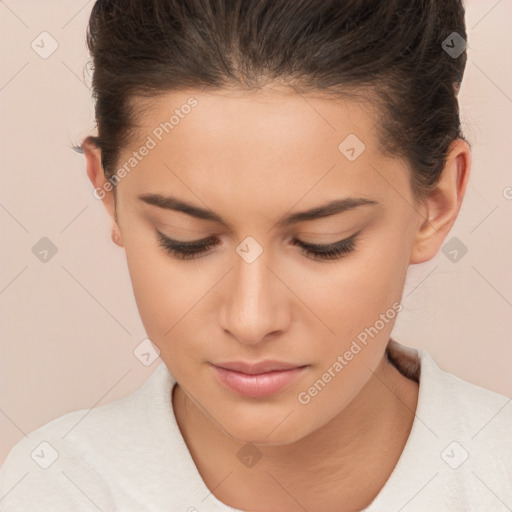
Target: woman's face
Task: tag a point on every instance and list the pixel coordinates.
(248, 164)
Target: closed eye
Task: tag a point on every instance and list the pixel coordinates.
(328, 251)
(196, 248)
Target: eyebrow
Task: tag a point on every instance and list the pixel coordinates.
(325, 210)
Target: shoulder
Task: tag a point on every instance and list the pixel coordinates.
(472, 427)
(459, 452)
(446, 398)
(472, 407)
(73, 459)
(41, 470)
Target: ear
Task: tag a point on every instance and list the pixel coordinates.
(442, 205)
(103, 189)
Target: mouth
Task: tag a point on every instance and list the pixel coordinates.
(257, 380)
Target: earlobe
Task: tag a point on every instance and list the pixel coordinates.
(443, 204)
(116, 237)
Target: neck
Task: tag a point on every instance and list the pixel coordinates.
(365, 439)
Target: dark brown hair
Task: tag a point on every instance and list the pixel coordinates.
(390, 50)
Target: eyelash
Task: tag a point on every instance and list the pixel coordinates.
(191, 250)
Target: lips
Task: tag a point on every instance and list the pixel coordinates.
(257, 379)
(256, 368)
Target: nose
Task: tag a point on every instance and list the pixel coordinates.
(256, 303)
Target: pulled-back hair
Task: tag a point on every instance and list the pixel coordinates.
(392, 51)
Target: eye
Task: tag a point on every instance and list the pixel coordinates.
(333, 251)
(191, 250)
(186, 250)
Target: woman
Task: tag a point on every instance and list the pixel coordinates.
(272, 168)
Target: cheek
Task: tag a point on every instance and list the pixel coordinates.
(163, 291)
(352, 294)
(359, 300)
(177, 300)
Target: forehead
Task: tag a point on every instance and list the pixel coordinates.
(274, 144)
(259, 115)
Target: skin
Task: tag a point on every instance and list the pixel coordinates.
(253, 158)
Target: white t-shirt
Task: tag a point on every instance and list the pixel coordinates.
(129, 455)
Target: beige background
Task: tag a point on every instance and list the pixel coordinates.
(69, 326)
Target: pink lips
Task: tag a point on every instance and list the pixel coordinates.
(257, 380)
